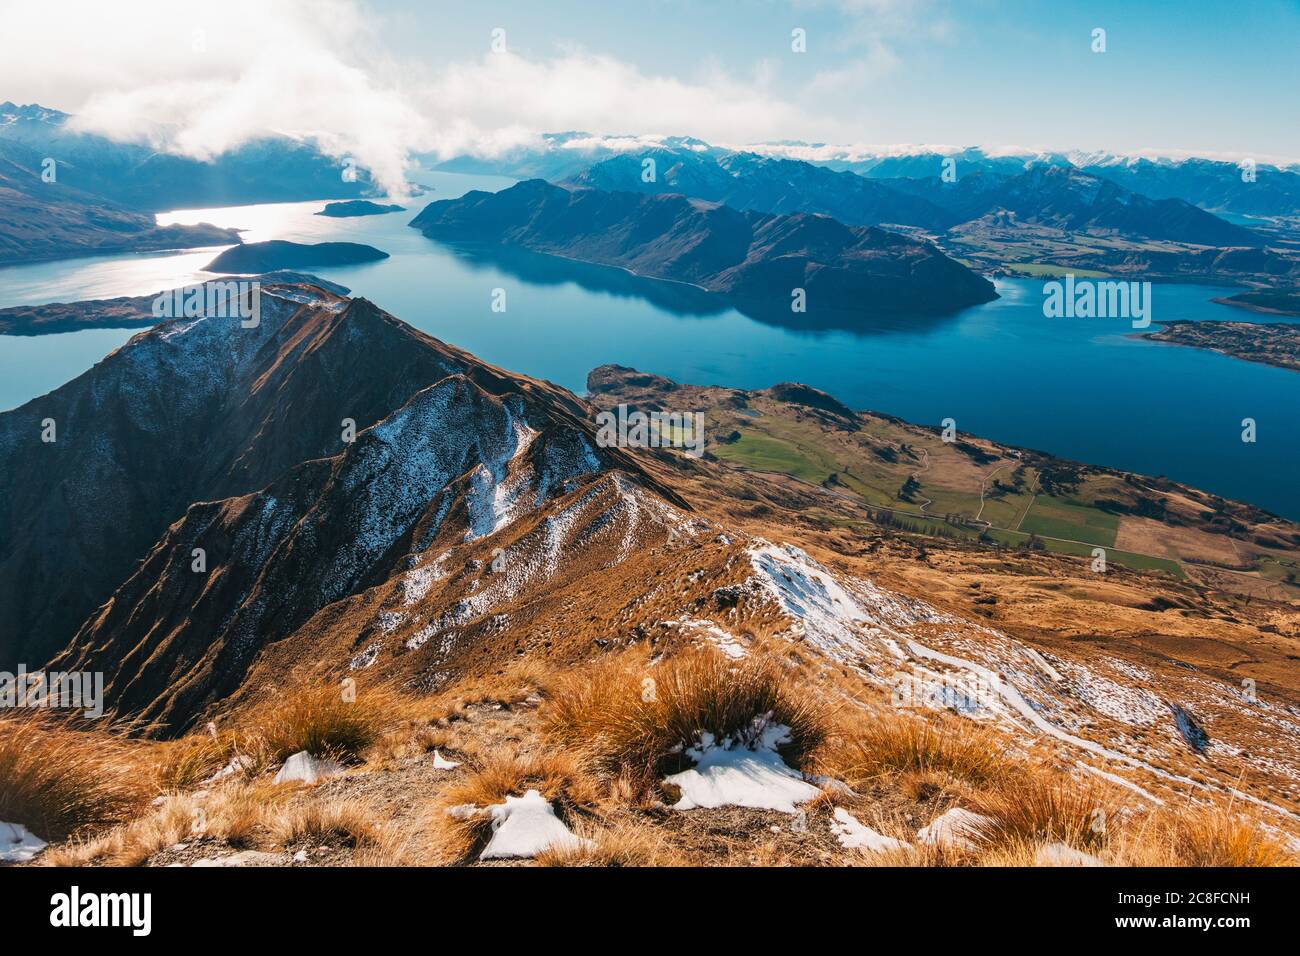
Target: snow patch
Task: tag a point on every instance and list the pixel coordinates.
(854, 835)
(442, 763)
(523, 827)
(18, 844)
(733, 774)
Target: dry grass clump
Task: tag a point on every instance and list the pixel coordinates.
(237, 813)
(521, 681)
(411, 739)
(459, 826)
(327, 722)
(1205, 836)
(928, 751)
(59, 782)
(1047, 807)
(194, 759)
(632, 719)
(133, 843)
(625, 843)
(349, 823)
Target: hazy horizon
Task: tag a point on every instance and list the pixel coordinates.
(383, 80)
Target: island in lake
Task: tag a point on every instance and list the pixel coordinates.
(801, 264)
(358, 207)
(1270, 343)
(280, 254)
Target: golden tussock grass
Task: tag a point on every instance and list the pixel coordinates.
(350, 823)
(411, 739)
(1203, 836)
(133, 843)
(625, 843)
(630, 718)
(328, 720)
(514, 684)
(194, 759)
(57, 781)
(238, 814)
(1048, 807)
(928, 750)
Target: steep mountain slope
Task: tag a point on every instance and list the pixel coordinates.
(458, 462)
(191, 410)
(750, 256)
(477, 530)
(46, 220)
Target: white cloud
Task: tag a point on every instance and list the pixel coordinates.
(198, 78)
(496, 97)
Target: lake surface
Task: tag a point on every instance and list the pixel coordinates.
(1084, 389)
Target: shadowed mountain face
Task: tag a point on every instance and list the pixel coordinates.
(746, 255)
(207, 411)
(457, 455)
(46, 220)
(140, 177)
(766, 184)
(182, 424)
(1213, 185)
(1065, 198)
(1056, 195)
(191, 410)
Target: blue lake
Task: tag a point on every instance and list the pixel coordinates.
(1085, 389)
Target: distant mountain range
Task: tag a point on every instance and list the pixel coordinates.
(1018, 213)
(1214, 185)
(751, 256)
(1059, 196)
(766, 184)
(272, 169)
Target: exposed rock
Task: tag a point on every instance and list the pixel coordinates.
(956, 829)
(1060, 854)
(302, 767)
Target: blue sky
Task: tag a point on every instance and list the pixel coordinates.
(1191, 75)
(380, 79)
